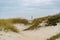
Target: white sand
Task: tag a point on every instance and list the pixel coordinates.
(21, 26)
(40, 34)
(43, 33)
(12, 36)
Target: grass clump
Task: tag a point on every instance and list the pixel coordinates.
(53, 20)
(15, 20)
(4, 26)
(54, 37)
(7, 24)
(18, 20)
(33, 27)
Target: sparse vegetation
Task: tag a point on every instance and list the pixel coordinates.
(7, 27)
(7, 24)
(18, 20)
(23, 21)
(35, 23)
(53, 20)
(54, 37)
(32, 27)
(50, 20)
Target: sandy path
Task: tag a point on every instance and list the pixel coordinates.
(41, 34)
(12, 36)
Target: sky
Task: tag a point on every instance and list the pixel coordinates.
(28, 8)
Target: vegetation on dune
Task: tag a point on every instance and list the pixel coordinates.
(7, 24)
(33, 26)
(18, 20)
(36, 22)
(40, 20)
(54, 37)
(53, 20)
(8, 27)
(49, 20)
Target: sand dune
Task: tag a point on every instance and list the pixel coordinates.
(41, 34)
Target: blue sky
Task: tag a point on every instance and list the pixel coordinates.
(28, 8)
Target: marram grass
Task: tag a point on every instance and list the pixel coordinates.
(54, 37)
(8, 27)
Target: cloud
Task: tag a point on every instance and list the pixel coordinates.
(41, 1)
(33, 2)
(28, 7)
(36, 1)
